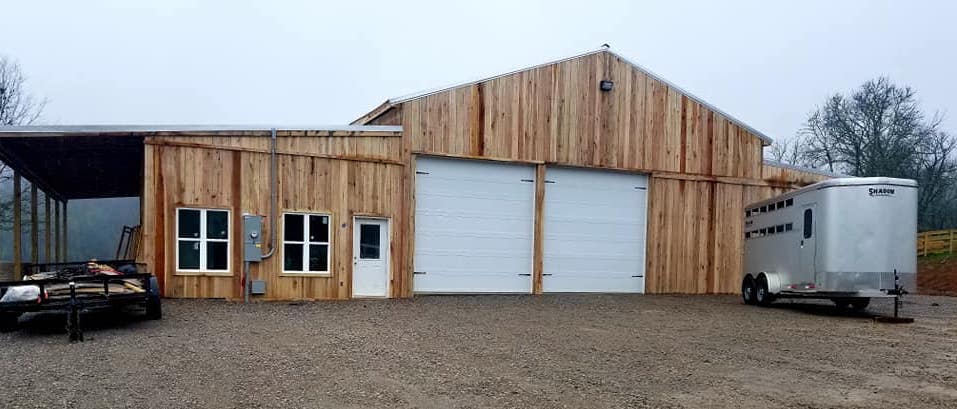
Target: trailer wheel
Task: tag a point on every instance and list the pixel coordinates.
(154, 308)
(841, 303)
(748, 290)
(763, 295)
(860, 304)
(8, 321)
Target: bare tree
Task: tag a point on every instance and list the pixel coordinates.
(880, 130)
(17, 107)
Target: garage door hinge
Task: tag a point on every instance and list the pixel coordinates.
(419, 172)
(418, 272)
(546, 274)
(641, 188)
(528, 180)
(637, 276)
(524, 274)
(549, 181)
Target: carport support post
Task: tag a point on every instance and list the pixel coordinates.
(66, 228)
(56, 232)
(34, 226)
(47, 230)
(17, 228)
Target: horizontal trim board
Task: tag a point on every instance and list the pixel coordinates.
(653, 173)
(175, 144)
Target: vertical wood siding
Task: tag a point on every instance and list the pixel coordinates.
(233, 173)
(557, 114)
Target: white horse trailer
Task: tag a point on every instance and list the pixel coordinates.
(847, 239)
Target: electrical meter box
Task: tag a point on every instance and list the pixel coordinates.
(252, 237)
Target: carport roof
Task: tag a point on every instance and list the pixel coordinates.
(99, 161)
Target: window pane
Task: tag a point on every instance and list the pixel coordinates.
(293, 228)
(319, 229)
(217, 255)
(807, 223)
(369, 241)
(318, 257)
(217, 224)
(188, 222)
(188, 255)
(292, 257)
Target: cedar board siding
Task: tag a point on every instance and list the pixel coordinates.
(704, 169)
(341, 176)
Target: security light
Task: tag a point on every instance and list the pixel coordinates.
(606, 85)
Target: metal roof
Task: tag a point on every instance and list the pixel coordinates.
(99, 129)
(767, 140)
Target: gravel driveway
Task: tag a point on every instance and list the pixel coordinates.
(489, 351)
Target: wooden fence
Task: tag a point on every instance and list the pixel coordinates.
(936, 242)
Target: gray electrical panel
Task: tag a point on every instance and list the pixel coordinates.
(252, 237)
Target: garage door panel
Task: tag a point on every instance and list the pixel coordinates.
(594, 231)
(473, 227)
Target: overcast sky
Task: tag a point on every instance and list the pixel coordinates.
(312, 62)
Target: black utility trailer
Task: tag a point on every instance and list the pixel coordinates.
(76, 292)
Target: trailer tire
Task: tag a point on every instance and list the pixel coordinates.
(841, 303)
(748, 290)
(763, 295)
(860, 304)
(8, 321)
(154, 308)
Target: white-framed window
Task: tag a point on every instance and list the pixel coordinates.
(202, 240)
(305, 243)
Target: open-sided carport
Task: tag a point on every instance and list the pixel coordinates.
(53, 165)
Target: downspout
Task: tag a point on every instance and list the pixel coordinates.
(272, 213)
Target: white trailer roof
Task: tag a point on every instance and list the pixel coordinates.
(850, 181)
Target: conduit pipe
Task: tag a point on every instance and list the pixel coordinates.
(272, 214)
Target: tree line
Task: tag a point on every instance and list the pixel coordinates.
(879, 129)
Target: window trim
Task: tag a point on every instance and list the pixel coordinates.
(305, 244)
(203, 240)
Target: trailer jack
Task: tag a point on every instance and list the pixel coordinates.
(73, 316)
(898, 291)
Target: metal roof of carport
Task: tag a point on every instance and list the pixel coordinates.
(100, 161)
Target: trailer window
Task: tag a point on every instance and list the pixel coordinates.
(779, 228)
(747, 213)
(780, 205)
(202, 240)
(789, 202)
(305, 243)
(789, 227)
(808, 223)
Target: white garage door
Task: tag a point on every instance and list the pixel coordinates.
(594, 231)
(473, 226)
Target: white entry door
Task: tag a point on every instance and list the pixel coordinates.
(370, 254)
(594, 231)
(473, 226)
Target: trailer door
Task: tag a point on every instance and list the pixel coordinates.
(808, 247)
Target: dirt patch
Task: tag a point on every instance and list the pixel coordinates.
(491, 351)
(937, 275)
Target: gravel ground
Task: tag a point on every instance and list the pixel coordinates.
(490, 351)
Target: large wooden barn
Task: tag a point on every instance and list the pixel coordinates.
(588, 174)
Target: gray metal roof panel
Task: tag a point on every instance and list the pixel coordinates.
(188, 128)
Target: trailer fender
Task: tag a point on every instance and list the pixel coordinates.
(774, 282)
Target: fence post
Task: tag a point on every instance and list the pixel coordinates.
(950, 249)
